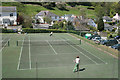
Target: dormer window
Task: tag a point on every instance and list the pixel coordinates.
(11, 14)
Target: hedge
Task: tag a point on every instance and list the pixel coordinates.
(7, 30)
(30, 30)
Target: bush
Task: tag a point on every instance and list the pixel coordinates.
(8, 30)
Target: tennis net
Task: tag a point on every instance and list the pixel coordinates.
(4, 43)
(47, 42)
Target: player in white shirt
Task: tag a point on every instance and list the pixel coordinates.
(51, 33)
(77, 61)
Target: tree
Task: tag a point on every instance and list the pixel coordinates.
(99, 11)
(48, 5)
(27, 23)
(70, 26)
(100, 24)
(47, 20)
(20, 19)
(118, 32)
(61, 6)
(83, 12)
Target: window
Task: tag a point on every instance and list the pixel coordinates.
(11, 14)
(55, 17)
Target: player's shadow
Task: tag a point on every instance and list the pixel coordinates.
(82, 69)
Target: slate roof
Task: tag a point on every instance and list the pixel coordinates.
(107, 18)
(46, 13)
(8, 8)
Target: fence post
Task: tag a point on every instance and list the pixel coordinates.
(8, 43)
(17, 43)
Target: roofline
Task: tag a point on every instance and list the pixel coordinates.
(7, 6)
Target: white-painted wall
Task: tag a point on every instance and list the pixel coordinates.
(6, 15)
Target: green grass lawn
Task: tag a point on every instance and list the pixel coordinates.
(32, 10)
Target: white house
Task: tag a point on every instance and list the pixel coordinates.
(40, 16)
(107, 19)
(8, 16)
(68, 17)
(91, 23)
(116, 17)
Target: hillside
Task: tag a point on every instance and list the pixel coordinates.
(32, 9)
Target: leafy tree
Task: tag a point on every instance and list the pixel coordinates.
(20, 19)
(48, 5)
(118, 32)
(70, 26)
(99, 11)
(61, 6)
(100, 24)
(83, 12)
(117, 7)
(27, 23)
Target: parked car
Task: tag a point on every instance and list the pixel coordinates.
(93, 36)
(117, 37)
(103, 42)
(117, 46)
(96, 38)
(111, 42)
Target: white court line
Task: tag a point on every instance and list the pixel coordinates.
(92, 54)
(4, 45)
(57, 54)
(20, 54)
(29, 54)
(83, 54)
(62, 66)
(52, 47)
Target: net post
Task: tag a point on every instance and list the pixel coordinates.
(80, 41)
(17, 43)
(8, 43)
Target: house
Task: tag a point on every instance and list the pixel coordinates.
(68, 17)
(107, 19)
(8, 16)
(41, 26)
(40, 16)
(79, 25)
(108, 27)
(116, 17)
(91, 23)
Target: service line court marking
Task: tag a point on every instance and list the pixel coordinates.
(20, 54)
(51, 47)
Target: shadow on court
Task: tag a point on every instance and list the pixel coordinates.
(81, 69)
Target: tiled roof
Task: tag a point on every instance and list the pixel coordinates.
(46, 13)
(8, 8)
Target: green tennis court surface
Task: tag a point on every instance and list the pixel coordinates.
(42, 56)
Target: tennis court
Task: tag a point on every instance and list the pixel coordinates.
(42, 56)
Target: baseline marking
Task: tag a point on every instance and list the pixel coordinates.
(62, 66)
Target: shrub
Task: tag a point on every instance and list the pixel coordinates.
(8, 30)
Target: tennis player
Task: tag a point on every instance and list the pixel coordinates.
(77, 62)
(51, 33)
